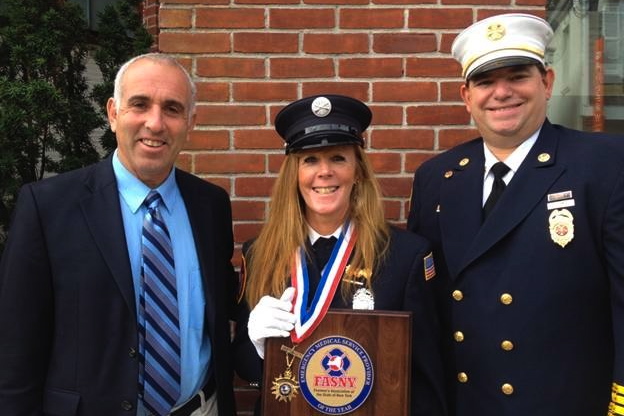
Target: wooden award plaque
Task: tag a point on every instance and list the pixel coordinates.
(386, 338)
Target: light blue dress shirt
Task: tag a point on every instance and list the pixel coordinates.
(195, 345)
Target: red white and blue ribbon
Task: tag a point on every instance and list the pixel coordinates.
(308, 317)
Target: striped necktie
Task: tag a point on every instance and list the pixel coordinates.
(158, 312)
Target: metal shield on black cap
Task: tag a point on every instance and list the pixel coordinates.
(321, 121)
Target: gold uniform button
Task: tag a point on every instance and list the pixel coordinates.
(507, 389)
(506, 299)
(507, 345)
(459, 336)
(462, 377)
(458, 295)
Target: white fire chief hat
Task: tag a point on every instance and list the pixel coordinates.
(500, 41)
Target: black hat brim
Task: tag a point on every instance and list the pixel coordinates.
(323, 139)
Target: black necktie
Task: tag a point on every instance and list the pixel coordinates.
(322, 251)
(499, 169)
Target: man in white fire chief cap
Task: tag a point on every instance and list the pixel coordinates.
(527, 226)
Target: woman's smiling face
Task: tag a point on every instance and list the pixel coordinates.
(326, 177)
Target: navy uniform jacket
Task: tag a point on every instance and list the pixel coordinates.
(529, 321)
(68, 325)
(399, 285)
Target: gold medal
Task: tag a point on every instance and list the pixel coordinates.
(561, 226)
(285, 386)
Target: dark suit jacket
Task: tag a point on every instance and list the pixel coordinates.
(399, 285)
(68, 325)
(506, 279)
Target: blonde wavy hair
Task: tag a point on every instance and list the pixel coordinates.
(270, 258)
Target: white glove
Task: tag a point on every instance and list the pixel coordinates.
(271, 318)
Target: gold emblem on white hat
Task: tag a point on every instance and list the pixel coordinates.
(321, 106)
(561, 226)
(495, 31)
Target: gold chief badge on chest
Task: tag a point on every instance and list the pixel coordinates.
(561, 226)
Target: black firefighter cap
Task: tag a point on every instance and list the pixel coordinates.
(322, 120)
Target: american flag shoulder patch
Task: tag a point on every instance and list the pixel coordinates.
(429, 266)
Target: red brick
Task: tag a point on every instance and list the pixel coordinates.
(371, 18)
(395, 187)
(405, 91)
(301, 67)
(483, 13)
(212, 91)
(357, 90)
(231, 67)
(208, 140)
(203, 2)
(541, 3)
(370, 67)
(230, 115)
(404, 42)
(335, 43)
(175, 18)
(385, 162)
(404, 2)
(220, 181)
(214, 18)
(476, 2)
(452, 137)
(236, 262)
(338, 2)
(386, 114)
(264, 91)
(248, 210)
(439, 18)
(449, 91)
(246, 231)
(184, 161)
(180, 42)
(437, 115)
(403, 138)
(258, 139)
(229, 163)
(414, 160)
(261, 42)
(433, 67)
(257, 186)
(392, 209)
(265, 2)
(301, 18)
(276, 161)
(447, 42)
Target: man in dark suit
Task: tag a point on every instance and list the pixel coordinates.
(531, 288)
(76, 308)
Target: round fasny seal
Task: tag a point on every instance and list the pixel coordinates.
(336, 375)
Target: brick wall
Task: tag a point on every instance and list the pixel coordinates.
(251, 57)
